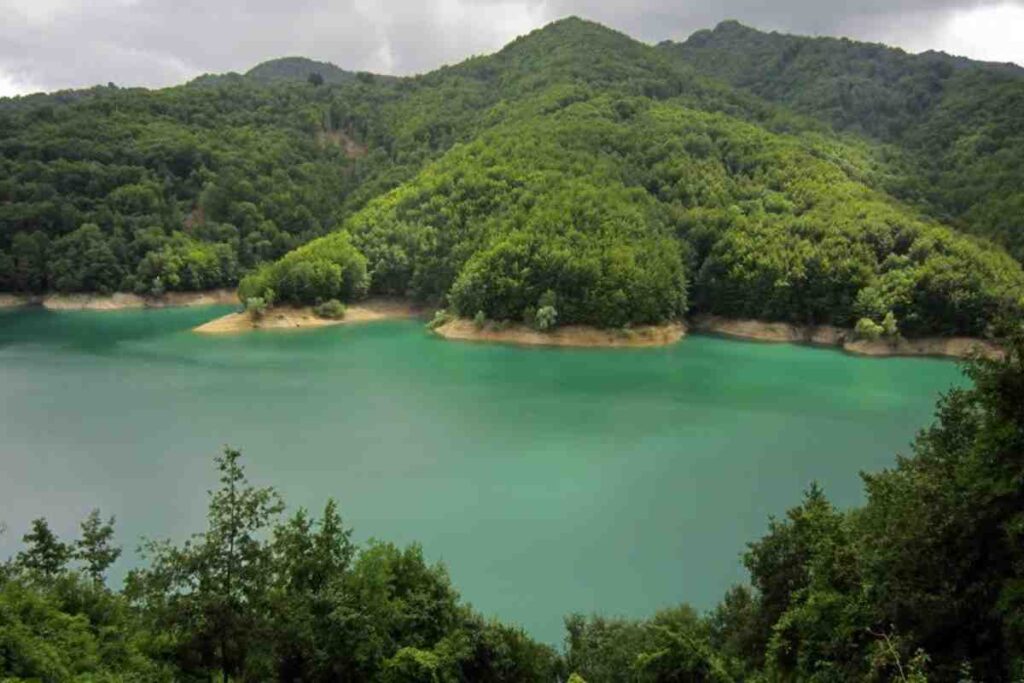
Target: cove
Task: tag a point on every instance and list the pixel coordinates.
(548, 480)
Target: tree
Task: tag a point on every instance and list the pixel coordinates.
(94, 547)
(942, 533)
(30, 253)
(214, 590)
(45, 554)
(256, 307)
(546, 318)
(391, 599)
(83, 261)
(889, 326)
(311, 559)
(315, 79)
(680, 651)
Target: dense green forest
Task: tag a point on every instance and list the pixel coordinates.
(957, 121)
(620, 182)
(924, 582)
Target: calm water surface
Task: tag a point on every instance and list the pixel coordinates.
(548, 480)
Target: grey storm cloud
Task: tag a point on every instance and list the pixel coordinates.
(50, 44)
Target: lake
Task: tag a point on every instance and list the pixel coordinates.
(548, 480)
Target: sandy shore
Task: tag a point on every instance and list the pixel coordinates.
(951, 347)
(570, 335)
(118, 301)
(827, 335)
(290, 318)
(15, 300)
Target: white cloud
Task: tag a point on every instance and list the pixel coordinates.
(993, 34)
(11, 86)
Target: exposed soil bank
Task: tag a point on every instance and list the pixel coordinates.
(290, 318)
(570, 335)
(118, 301)
(827, 335)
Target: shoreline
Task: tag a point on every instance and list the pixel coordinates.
(118, 301)
(580, 336)
(302, 317)
(460, 329)
(843, 339)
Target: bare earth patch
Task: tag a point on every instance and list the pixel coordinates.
(827, 335)
(291, 318)
(570, 335)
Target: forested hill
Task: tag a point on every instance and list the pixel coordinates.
(863, 87)
(298, 68)
(960, 120)
(576, 169)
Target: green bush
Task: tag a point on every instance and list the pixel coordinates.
(890, 328)
(332, 310)
(547, 317)
(441, 317)
(256, 307)
(868, 329)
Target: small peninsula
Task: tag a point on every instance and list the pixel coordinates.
(299, 317)
(569, 335)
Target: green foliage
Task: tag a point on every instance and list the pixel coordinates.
(329, 268)
(611, 213)
(868, 329)
(890, 328)
(211, 592)
(950, 571)
(546, 315)
(256, 596)
(83, 261)
(954, 121)
(297, 69)
(46, 554)
(922, 582)
(184, 264)
(71, 629)
(546, 318)
(331, 309)
(441, 316)
(672, 646)
(94, 548)
(574, 160)
(256, 307)
(57, 624)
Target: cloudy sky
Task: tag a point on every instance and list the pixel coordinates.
(52, 44)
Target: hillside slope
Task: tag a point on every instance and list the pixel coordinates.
(576, 169)
(959, 120)
(620, 190)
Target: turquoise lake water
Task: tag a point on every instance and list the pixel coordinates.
(548, 480)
